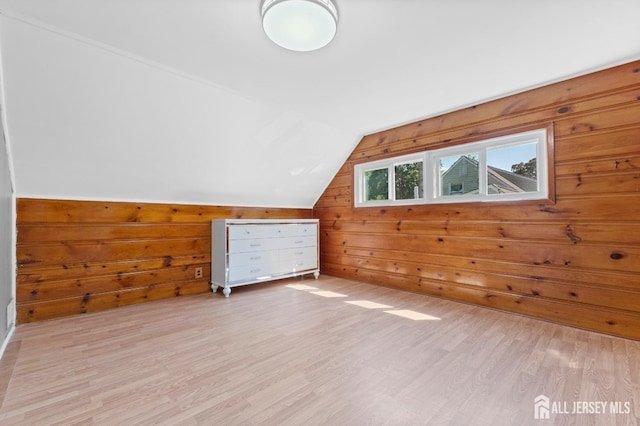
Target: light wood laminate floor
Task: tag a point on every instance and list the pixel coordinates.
(285, 354)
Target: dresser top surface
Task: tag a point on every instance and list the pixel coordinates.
(263, 221)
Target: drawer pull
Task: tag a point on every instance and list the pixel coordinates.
(253, 271)
(298, 242)
(298, 253)
(255, 245)
(255, 258)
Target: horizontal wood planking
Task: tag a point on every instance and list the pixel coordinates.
(612, 296)
(66, 211)
(88, 269)
(613, 118)
(36, 233)
(615, 208)
(85, 287)
(570, 254)
(612, 233)
(624, 143)
(567, 125)
(381, 258)
(29, 312)
(83, 256)
(603, 166)
(574, 261)
(64, 253)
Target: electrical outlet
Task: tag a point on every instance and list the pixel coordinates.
(199, 272)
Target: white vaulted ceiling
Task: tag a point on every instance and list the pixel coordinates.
(187, 101)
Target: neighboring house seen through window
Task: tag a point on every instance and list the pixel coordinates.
(512, 167)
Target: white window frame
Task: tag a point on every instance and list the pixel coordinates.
(389, 164)
(431, 173)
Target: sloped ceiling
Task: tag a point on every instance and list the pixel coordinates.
(189, 102)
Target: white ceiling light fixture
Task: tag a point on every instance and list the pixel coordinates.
(300, 25)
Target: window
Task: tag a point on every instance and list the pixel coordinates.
(409, 184)
(456, 188)
(512, 167)
(522, 174)
(395, 181)
(377, 184)
(459, 174)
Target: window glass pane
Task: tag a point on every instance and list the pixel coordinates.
(512, 169)
(409, 180)
(376, 184)
(459, 174)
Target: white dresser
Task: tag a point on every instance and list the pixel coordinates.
(252, 251)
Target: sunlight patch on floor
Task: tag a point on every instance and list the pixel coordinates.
(301, 287)
(368, 304)
(416, 316)
(328, 294)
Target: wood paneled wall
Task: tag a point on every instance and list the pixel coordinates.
(80, 256)
(575, 261)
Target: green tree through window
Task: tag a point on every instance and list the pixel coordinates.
(527, 169)
(377, 184)
(408, 181)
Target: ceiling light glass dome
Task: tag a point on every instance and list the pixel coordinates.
(300, 25)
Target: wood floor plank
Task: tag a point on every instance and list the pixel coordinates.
(283, 354)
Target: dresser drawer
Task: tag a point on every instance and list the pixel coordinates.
(253, 258)
(261, 244)
(251, 272)
(246, 232)
(265, 271)
(293, 254)
(299, 230)
(240, 246)
(289, 266)
(297, 241)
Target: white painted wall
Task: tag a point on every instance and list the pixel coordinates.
(93, 123)
(189, 102)
(7, 246)
(7, 233)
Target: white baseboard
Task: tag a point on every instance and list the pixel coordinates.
(7, 339)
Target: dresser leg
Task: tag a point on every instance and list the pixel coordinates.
(226, 291)
(316, 274)
(214, 287)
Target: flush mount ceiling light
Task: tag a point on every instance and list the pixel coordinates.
(300, 25)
